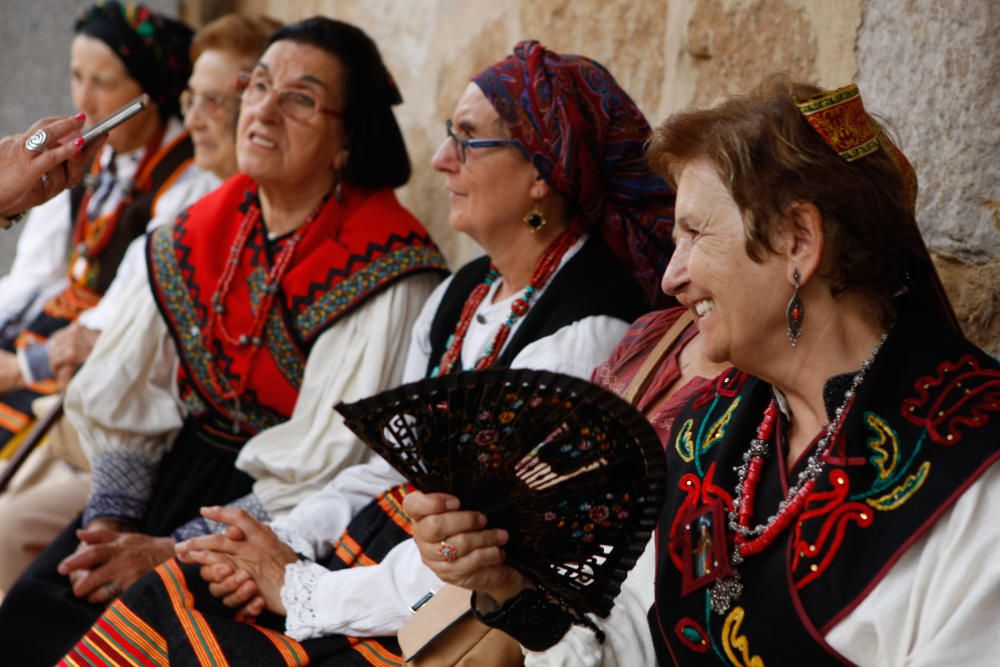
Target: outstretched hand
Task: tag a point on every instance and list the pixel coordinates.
(459, 549)
(244, 565)
(29, 178)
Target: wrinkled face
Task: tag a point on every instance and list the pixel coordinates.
(492, 189)
(738, 303)
(100, 85)
(284, 153)
(214, 108)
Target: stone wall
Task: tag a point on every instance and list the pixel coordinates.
(933, 70)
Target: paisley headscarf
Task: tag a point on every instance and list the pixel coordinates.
(587, 138)
(155, 49)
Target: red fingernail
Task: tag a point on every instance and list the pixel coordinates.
(78, 142)
(80, 116)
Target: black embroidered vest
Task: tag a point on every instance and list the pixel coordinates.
(922, 429)
(592, 282)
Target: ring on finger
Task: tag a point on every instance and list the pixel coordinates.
(447, 552)
(36, 142)
(113, 590)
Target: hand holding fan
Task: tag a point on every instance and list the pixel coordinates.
(575, 474)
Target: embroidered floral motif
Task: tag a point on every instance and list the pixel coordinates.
(904, 491)
(692, 635)
(836, 511)
(733, 641)
(968, 394)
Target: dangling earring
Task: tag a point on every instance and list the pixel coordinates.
(535, 220)
(795, 313)
(338, 192)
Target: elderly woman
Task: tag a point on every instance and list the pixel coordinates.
(846, 483)
(71, 247)
(550, 294)
(284, 291)
(48, 492)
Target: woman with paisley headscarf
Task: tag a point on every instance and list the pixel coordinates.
(72, 247)
(289, 288)
(544, 167)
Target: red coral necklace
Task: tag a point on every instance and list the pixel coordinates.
(750, 540)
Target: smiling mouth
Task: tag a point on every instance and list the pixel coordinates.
(704, 307)
(258, 140)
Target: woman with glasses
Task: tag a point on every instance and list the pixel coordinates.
(288, 289)
(550, 294)
(48, 493)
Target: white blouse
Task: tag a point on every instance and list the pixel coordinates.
(375, 601)
(136, 410)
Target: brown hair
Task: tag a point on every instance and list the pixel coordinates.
(234, 33)
(770, 157)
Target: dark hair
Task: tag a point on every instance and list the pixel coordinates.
(769, 157)
(378, 156)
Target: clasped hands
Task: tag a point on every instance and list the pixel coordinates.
(110, 557)
(243, 565)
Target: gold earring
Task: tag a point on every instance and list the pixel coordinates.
(535, 220)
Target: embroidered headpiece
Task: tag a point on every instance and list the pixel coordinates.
(839, 117)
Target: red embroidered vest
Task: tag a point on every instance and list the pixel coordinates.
(351, 251)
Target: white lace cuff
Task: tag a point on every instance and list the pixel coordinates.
(301, 622)
(299, 543)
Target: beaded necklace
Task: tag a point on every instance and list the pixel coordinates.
(544, 269)
(215, 330)
(750, 540)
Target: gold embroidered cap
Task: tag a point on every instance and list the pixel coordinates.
(840, 118)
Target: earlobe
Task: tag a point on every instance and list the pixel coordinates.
(805, 240)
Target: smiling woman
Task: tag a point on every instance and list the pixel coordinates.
(287, 289)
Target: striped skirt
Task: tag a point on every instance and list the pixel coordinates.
(169, 617)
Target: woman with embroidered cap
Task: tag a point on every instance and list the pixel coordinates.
(71, 248)
(52, 486)
(847, 468)
(540, 183)
(286, 290)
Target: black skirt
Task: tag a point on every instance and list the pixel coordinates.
(41, 619)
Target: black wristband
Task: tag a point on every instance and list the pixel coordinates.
(536, 623)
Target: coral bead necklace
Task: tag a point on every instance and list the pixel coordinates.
(750, 540)
(216, 332)
(544, 269)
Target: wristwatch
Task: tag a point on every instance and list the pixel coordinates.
(6, 222)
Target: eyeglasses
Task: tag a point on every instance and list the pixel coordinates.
(214, 105)
(463, 145)
(295, 104)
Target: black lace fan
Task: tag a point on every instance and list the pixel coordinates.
(575, 474)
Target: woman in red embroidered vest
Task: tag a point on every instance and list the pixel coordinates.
(288, 289)
(71, 247)
(52, 486)
(550, 294)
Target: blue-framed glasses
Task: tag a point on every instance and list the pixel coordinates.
(463, 145)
